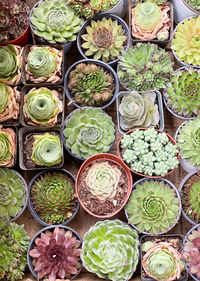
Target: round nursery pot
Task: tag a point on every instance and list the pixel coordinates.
(31, 245)
(30, 203)
(22, 40)
(182, 10)
(99, 17)
(119, 9)
(115, 160)
(172, 186)
(99, 63)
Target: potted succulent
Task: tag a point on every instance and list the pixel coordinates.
(149, 152)
(8, 147)
(154, 206)
(150, 72)
(14, 22)
(182, 94)
(185, 43)
(14, 243)
(161, 258)
(103, 185)
(110, 250)
(185, 8)
(103, 38)
(52, 197)
(139, 109)
(88, 131)
(91, 83)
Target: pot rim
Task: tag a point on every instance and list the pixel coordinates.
(190, 8)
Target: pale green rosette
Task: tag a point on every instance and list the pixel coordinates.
(4, 97)
(5, 149)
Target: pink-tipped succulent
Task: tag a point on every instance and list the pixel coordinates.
(56, 255)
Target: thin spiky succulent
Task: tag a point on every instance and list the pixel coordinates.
(55, 21)
(110, 250)
(14, 15)
(53, 197)
(145, 67)
(183, 92)
(7, 147)
(186, 42)
(14, 243)
(153, 207)
(91, 85)
(194, 4)
(56, 254)
(89, 131)
(104, 39)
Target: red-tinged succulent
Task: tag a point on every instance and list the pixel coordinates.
(56, 255)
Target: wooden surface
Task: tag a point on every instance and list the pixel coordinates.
(83, 221)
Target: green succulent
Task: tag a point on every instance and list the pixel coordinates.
(110, 250)
(183, 92)
(91, 85)
(104, 39)
(138, 110)
(194, 4)
(55, 21)
(47, 150)
(153, 207)
(5, 148)
(158, 2)
(89, 131)
(4, 92)
(145, 67)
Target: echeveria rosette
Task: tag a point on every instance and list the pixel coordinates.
(7, 147)
(47, 150)
(89, 131)
(153, 207)
(194, 4)
(110, 250)
(13, 193)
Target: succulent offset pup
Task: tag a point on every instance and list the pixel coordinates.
(7, 147)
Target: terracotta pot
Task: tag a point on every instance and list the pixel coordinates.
(107, 157)
(153, 177)
(22, 40)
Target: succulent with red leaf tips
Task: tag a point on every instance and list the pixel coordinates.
(56, 254)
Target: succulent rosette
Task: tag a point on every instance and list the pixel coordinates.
(7, 147)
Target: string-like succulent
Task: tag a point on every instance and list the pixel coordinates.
(13, 193)
(153, 207)
(7, 147)
(194, 4)
(186, 42)
(89, 131)
(104, 39)
(42, 106)
(14, 242)
(10, 64)
(55, 21)
(183, 92)
(145, 67)
(110, 250)
(53, 197)
(47, 150)
(14, 16)
(91, 85)
(56, 255)
(138, 110)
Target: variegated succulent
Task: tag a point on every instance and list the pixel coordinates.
(7, 147)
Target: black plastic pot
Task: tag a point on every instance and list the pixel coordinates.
(30, 203)
(31, 245)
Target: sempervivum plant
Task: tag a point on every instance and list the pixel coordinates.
(104, 39)
(10, 64)
(55, 21)
(194, 4)
(53, 197)
(56, 254)
(14, 16)
(186, 42)
(42, 106)
(110, 250)
(14, 243)
(7, 147)
(89, 131)
(138, 110)
(91, 84)
(13, 193)
(145, 67)
(153, 207)
(44, 64)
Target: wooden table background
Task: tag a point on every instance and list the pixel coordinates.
(83, 221)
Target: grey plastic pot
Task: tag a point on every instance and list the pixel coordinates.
(99, 17)
(99, 63)
(177, 195)
(119, 9)
(160, 109)
(31, 245)
(182, 10)
(30, 203)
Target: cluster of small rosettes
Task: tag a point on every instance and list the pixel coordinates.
(149, 152)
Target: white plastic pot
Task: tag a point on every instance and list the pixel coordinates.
(182, 10)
